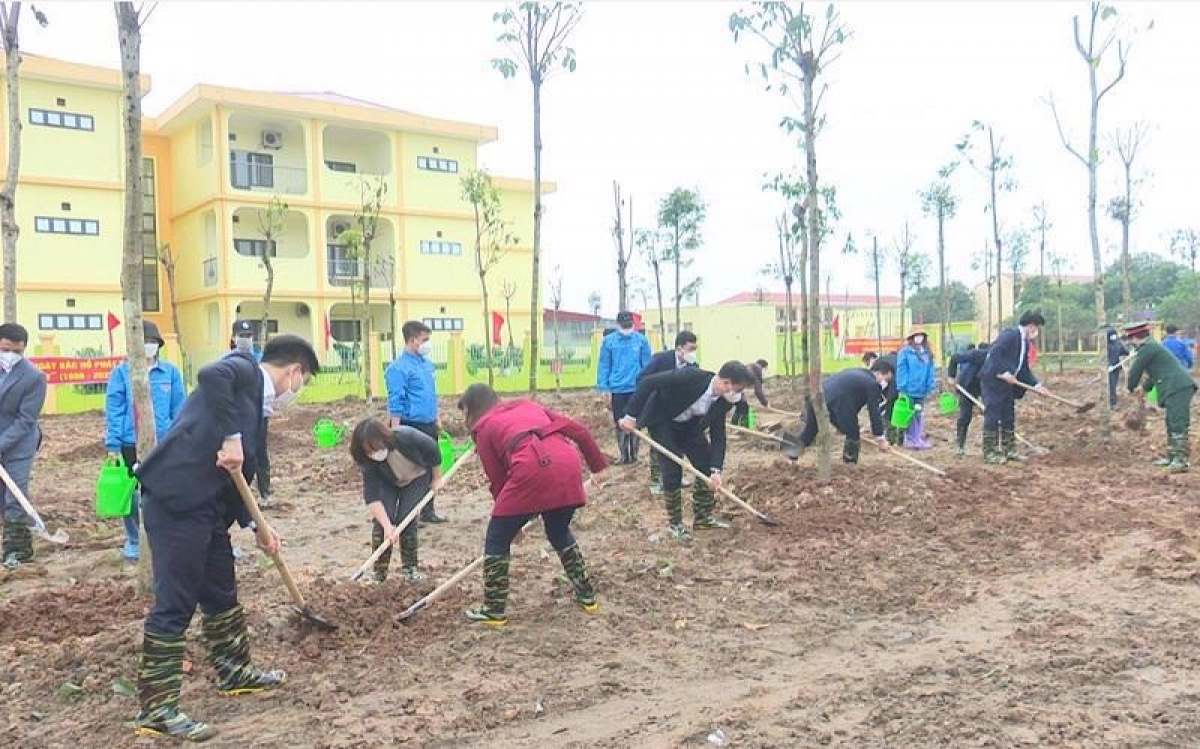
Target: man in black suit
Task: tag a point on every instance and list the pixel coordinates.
(22, 394)
(846, 394)
(963, 371)
(677, 408)
(188, 504)
(1007, 363)
(681, 357)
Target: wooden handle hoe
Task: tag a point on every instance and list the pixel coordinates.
(410, 518)
(974, 400)
(301, 607)
(58, 537)
(1080, 408)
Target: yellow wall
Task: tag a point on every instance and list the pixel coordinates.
(70, 342)
(724, 333)
(429, 190)
(68, 260)
(194, 181)
(78, 155)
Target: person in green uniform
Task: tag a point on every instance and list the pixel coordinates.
(1175, 389)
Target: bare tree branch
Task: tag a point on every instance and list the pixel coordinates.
(1061, 133)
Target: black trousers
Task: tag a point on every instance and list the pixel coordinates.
(1114, 379)
(502, 531)
(398, 505)
(842, 415)
(262, 473)
(685, 439)
(619, 402)
(966, 411)
(193, 565)
(999, 405)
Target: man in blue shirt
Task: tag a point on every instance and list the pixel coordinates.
(1179, 347)
(167, 395)
(623, 355)
(412, 392)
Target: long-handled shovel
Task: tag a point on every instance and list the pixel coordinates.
(1036, 448)
(1111, 368)
(786, 446)
(58, 537)
(298, 603)
(410, 518)
(645, 437)
(781, 412)
(1080, 408)
(914, 461)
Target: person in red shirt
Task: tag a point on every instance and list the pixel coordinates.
(529, 455)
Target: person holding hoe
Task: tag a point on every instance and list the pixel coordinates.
(963, 372)
(399, 467)
(682, 357)
(1006, 365)
(1175, 390)
(741, 412)
(167, 395)
(678, 408)
(188, 504)
(846, 394)
(529, 455)
(624, 353)
(916, 379)
(412, 392)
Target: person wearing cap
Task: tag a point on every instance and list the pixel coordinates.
(916, 378)
(1174, 343)
(963, 372)
(1007, 364)
(243, 342)
(682, 357)
(623, 355)
(167, 394)
(1175, 390)
(741, 412)
(412, 392)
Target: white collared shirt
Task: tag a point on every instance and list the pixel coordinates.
(268, 393)
(702, 404)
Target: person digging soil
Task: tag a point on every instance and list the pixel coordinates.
(1175, 390)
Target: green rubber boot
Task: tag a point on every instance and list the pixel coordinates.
(384, 562)
(160, 677)
(495, 592)
(992, 454)
(674, 503)
(656, 487)
(409, 544)
(1008, 446)
(584, 594)
(1180, 452)
(229, 655)
(704, 505)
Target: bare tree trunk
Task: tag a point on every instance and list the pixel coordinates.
(1126, 284)
(996, 229)
(557, 356)
(129, 31)
(1061, 342)
(622, 258)
(945, 293)
(877, 270)
(813, 223)
(8, 196)
(662, 325)
(368, 354)
(508, 318)
(269, 288)
(678, 280)
(805, 311)
(481, 269)
(168, 261)
(536, 286)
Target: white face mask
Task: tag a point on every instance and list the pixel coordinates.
(9, 359)
(379, 455)
(689, 357)
(242, 343)
(732, 396)
(1032, 334)
(426, 348)
(287, 397)
(151, 350)
(625, 331)
(919, 339)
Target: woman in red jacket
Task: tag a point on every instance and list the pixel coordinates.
(528, 453)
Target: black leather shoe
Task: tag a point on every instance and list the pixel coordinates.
(433, 517)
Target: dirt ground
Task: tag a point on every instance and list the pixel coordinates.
(1049, 603)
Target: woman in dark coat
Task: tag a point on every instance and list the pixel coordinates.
(529, 455)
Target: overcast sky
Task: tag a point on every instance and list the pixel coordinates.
(661, 99)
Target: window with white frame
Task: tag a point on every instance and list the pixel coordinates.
(436, 164)
(84, 227)
(64, 120)
(440, 247)
(444, 323)
(348, 167)
(254, 247)
(48, 321)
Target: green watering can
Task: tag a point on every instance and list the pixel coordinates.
(114, 490)
(751, 419)
(1152, 396)
(450, 451)
(903, 412)
(328, 433)
(948, 403)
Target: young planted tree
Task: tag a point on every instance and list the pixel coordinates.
(372, 193)
(129, 33)
(983, 262)
(167, 257)
(1018, 257)
(270, 227)
(1185, 244)
(508, 289)
(10, 16)
(938, 200)
(493, 236)
(907, 260)
(595, 302)
(1057, 264)
(651, 244)
(996, 167)
(624, 251)
(556, 298)
(536, 35)
(1041, 225)
(1122, 208)
(680, 216)
(785, 270)
(801, 47)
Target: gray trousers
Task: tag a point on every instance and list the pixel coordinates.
(19, 470)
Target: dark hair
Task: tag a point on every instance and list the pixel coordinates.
(762, 363)
(1172, 329)
(283, 350)
(1032, 318)
(476, 401)
(970, 347)
(684, 337)
(735, 372)
(369, 431)
(413, 328)
(983, 345)
(883, 367)
(10, 331)
(870, 356)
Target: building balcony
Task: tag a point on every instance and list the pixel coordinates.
(209, 269)
(267, 155)
(355, 163)
(291, 259)
(344, 270)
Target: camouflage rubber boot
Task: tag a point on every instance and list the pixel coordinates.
(495, 592)
(704, 505)
(992, 454)
(18, 544)
(960, 441)
(584, 595)
(1008, 446)
(409, 544)
(656, 487)
(229, 655)
(674, 502)
(159, 679)
(895, 436)
(385, 559)
(1180, 453)
(850, 450)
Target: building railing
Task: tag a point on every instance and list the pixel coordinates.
(259, 177)
(344, 271)
(209, 267)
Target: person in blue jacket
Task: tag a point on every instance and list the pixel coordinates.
(167, 393)
(623, 355)
(1175, 343)
(916, 377)
(411, 382)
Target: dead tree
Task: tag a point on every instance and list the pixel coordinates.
(1122, 208)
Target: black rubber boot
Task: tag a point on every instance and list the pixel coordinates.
(229, 655)
(160, 677)
(850, 450)
(960, 441)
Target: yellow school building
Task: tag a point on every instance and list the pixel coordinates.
(214, 160)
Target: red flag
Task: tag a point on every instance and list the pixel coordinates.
(328, 330)
(497, 327)
(1032, 354)
(637, 321)
(837, 319)
(113, 322)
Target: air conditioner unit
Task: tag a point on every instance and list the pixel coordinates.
(338, 227)
(272, 139)
(301, 309)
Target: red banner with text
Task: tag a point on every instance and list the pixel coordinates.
(63, 370)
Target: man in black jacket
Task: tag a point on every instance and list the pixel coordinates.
(188, 504)
(1007, 364)
(682, 357)
(677, 408)
(846, 393)
(963, 371)
(1117, 352)
(741, 412)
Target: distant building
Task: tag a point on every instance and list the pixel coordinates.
(985, 301)
(851, 319)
